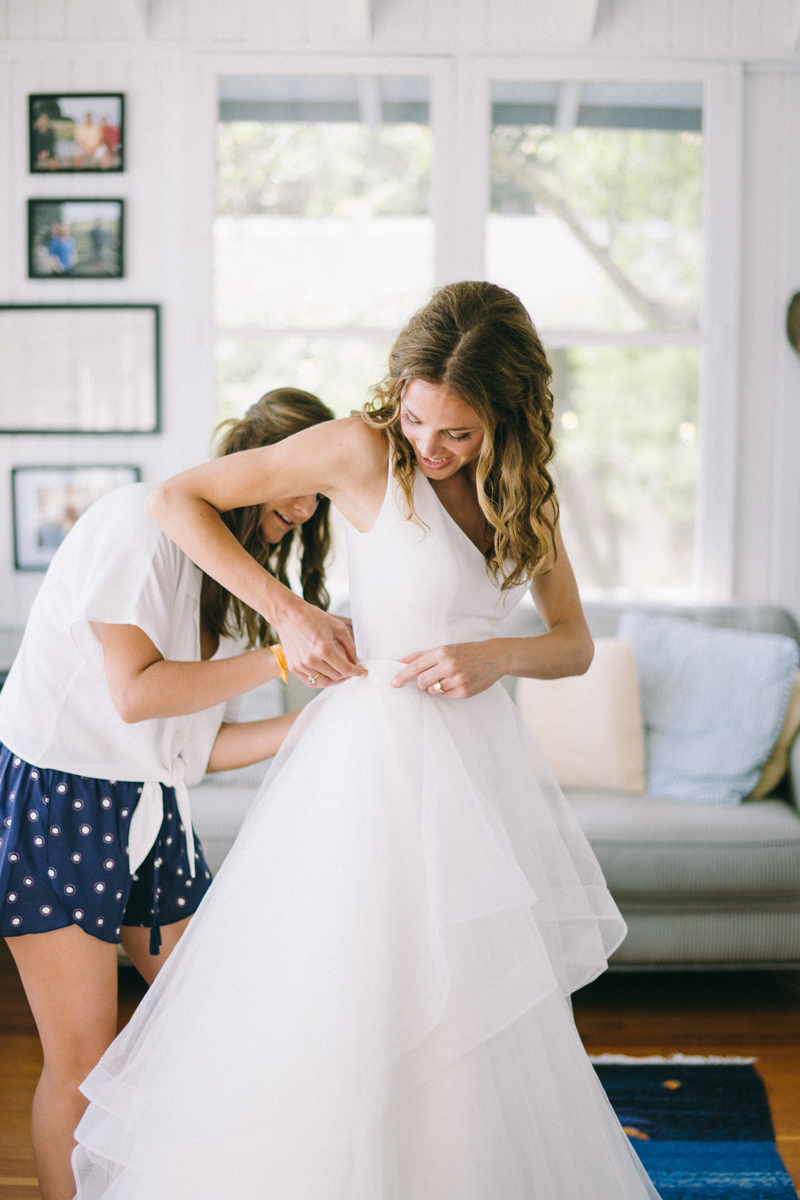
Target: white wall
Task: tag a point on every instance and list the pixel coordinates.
(165, 54)
(168, 197)
(768, 484)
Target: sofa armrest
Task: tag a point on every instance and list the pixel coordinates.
(794, 773)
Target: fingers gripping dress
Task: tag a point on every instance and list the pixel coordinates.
(370, 1003)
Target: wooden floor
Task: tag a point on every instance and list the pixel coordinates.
(748, 1013)
(20, 1064)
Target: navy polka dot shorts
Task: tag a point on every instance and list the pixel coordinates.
(64, 857)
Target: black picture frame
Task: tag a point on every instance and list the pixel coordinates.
(67, 155)
(793, 322)
(45, 350)
(43, 510)
(88, 231)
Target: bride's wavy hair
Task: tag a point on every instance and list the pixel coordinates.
(277, 415)
(478, 339)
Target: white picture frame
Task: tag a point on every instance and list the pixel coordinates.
(47, 501)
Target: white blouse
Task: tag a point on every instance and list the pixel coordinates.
(115, 566)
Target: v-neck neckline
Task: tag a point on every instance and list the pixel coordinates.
(452, 519)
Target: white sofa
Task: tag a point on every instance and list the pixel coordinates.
(699, 885)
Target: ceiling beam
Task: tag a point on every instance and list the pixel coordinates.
(142, 11)
(358, 19)
(578, 20)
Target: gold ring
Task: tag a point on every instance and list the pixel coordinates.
(437, 687)
(312, 679)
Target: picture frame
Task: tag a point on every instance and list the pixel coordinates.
(76, 132)
(81, 368)
(76, 238)
(46, 502)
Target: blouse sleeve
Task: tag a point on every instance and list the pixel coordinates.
(123, 569)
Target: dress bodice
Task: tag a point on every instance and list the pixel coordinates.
(416, 586)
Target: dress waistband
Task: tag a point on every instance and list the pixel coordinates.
(381, 671)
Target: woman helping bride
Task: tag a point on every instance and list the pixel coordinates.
(371, 1003)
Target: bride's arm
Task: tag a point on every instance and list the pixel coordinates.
(471, 667)
(340, 459)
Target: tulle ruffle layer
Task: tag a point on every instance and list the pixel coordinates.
(369, 1003)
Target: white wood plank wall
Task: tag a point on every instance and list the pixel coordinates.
(768, 485)
(168, 196)
(165, 54)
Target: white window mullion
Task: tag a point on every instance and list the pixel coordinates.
(715, 545)
(461, 148)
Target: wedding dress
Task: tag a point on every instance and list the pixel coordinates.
(371, 1001)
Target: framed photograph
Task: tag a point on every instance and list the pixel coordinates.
(75, 239)
(77, 132)
(47, 501)
(79, 368)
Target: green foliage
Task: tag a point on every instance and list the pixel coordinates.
(632, 197)
(323, 169)
(616, 174)
(627, 455)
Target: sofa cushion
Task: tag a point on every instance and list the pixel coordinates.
(713, 702)
(604, 616)
(217, 815)
(589, 727)
(257, 705)
(777, 764)
(762, 934)
(656, 848)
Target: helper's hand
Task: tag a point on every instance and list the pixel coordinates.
(462, 670)
(319, 648)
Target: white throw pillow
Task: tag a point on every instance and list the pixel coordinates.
(590, 726)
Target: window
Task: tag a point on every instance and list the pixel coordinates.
(323, 238)
(596, 223)
(589, 199)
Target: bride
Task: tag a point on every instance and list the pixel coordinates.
(371, 1003)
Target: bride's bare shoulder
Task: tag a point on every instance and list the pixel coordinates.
(359, 449)
(359, 460)
(355, 430)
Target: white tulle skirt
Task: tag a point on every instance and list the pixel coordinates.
(370, 1003)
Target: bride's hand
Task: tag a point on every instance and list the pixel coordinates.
(318, 646)
(462, 670)
(348, 621)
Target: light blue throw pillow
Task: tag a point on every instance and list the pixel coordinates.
(713, 702)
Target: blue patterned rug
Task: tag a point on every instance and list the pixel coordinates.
(702, 1128)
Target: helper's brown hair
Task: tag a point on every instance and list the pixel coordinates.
(478, 339)
(277, 415)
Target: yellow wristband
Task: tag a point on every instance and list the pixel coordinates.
(281, 660)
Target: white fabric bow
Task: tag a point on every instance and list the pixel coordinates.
(149, 814)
